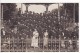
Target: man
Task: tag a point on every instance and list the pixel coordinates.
(45, 43)
(2, 31)
(34, 42)
(19, 12)
(70, 45)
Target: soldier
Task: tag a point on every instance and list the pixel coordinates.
(2, 31)
(19, 12)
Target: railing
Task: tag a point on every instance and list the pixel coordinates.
(24, 45)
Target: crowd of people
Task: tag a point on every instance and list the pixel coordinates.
(27, 22)
(44, 25)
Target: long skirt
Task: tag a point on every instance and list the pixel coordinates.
(34, 42)
(45, 43)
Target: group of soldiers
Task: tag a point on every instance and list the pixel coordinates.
(28, 21)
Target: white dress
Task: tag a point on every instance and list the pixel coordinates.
(34, 42)
(45, 39)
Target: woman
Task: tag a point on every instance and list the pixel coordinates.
(35, 39)
(45, 43)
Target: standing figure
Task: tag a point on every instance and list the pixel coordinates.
(3, 31)
(45, 43)
(63, 44)
(34, 42)
(70, 44)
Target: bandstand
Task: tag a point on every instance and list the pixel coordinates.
(54, 45)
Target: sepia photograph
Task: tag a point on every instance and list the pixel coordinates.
(39, 27)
